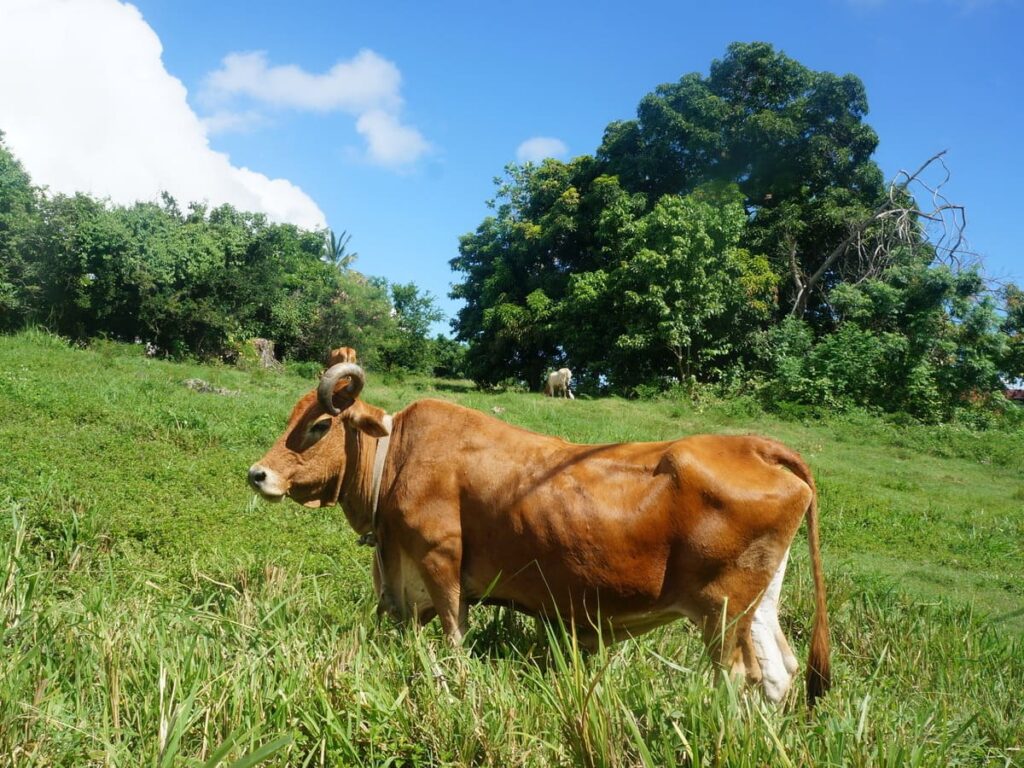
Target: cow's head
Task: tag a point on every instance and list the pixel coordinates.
(308, 462)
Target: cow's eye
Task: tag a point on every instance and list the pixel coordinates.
(318, 430)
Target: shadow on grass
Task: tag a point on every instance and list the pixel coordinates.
(504, 633)
(455, 386)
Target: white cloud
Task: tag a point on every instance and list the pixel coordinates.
(226, 121)
(368, 87)
(87, 106)
(366, 82)
(389, 142)
(539, 147)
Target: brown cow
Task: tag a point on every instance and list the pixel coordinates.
(341, 355)
(617, 539)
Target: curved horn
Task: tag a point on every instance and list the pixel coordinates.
(325, 390)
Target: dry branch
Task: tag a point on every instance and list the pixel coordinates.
(897, 224)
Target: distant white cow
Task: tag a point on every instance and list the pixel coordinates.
(558, 384)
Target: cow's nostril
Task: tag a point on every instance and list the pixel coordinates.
(257, 475)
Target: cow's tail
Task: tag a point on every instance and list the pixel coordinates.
(819, 670)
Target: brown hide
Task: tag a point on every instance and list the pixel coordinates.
(341, 355)
(617, 539)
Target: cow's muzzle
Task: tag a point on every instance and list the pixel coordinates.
(266, 483)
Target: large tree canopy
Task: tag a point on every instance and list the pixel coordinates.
(793, 140)
(732, 201)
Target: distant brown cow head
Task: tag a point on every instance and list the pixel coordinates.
(308, 461)
(341, 355)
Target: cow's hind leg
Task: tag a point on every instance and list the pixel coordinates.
(728, 642)
(778, 663)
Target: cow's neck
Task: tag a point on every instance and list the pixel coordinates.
(360, 487)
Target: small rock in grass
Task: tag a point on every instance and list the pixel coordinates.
(198, 385)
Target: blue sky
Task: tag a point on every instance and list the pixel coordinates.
(448, 92)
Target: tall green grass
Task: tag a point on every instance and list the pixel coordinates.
(151, 613)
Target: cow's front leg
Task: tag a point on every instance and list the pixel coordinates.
(441, 576)
(401, 592)
(387, 591)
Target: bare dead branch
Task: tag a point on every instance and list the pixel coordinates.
(898, 225)
(795, 269)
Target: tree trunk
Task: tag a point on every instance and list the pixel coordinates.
(265, 352)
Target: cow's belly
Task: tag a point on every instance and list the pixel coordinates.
(644, 621)
(624, 597)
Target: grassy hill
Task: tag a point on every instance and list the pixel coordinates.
(152, 612)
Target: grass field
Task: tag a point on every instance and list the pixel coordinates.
(152, 612)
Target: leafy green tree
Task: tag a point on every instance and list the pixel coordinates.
(734, 200)
(81, 264)
(517, 265)
(18, 222)
(682, 299)
(1013, 327)
(411, 347)
(336, 249)
(919, 339)
(449, 358)
(301, 284)
(793, 139)
(359, 314)
(576, 268)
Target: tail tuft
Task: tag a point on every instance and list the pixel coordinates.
(819, 668)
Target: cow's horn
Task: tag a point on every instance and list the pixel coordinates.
(325, 390)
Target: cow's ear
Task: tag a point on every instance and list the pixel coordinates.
(369, 419)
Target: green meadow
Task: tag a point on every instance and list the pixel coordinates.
(154, 613)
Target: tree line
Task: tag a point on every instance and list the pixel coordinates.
(200, 281)
(738, 231)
